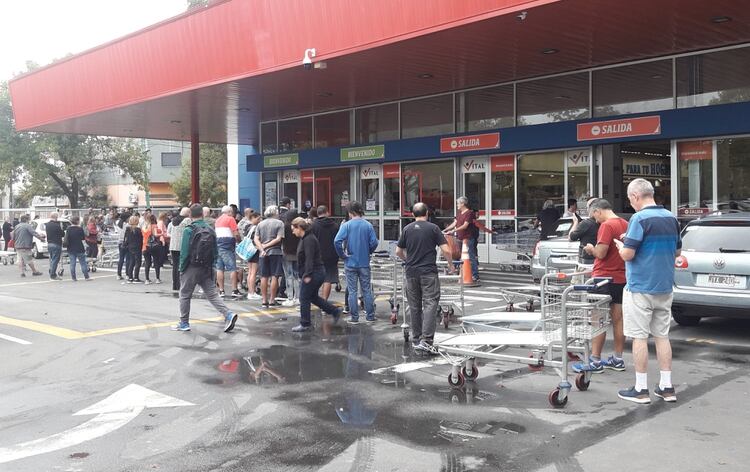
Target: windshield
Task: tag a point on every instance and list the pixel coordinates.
(725, 237)
(563, 227)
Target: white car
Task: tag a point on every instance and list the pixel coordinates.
(40, 247)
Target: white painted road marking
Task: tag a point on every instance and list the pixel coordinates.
(12, 339)
(112, 413)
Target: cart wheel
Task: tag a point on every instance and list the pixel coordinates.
(406, 335)
(554, 399)
(338, 287)
(457, 396)
(446, 320)
(5, 261)
(530, 306)
(394, 317)
(93, 268)
(60, 272)
(581, 383)
(474, 373)
(538, 367)
(457, 382)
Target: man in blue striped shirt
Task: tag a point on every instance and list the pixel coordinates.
(649, 248)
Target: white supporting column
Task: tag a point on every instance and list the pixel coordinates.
(233, 174)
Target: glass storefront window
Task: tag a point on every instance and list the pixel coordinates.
(695, 173)
(391, 230)
(376, 124)
(268, 137)
(713, 78)
(503, 185)
(733, 172)
(475, 190)
(270, 189)
(332, 189)
(427, 117)
(432, 183)
(554, 99)
(295, 134)
(391, 190)
(333, 130)
(540, 177)
(652, 161)
(307, 199)
(633, 89)
(579, 185)
(371, 196)
(482, 109)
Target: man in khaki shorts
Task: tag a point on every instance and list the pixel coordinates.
(649, 248)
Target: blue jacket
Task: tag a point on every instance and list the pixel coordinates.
(361, 241)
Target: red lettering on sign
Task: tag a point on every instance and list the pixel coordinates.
(646, 125)
(470, 143)
(503, 212)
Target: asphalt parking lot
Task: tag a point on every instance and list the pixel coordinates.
(93, 379)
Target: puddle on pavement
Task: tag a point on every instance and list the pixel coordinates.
(460, 430)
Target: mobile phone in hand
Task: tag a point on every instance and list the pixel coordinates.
(619, 244)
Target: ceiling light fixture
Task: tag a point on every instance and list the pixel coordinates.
(175, 122)
(550, 51)
(562, 97)
(325, 94)
(721, 19)
(425, 76)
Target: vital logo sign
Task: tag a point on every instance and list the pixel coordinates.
(644, 126)
(474, 166)
(475, 142)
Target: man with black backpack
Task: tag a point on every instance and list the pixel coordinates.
(198, 254)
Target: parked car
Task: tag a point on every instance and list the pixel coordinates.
(40, 247)
(712, 274)
(557, 245)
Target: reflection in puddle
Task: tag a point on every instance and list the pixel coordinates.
(452, 430)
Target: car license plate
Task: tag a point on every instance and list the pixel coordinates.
(721, 281)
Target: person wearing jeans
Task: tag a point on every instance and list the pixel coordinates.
(467, 232)
(74, 237)
(55, 236)
(416, 246)
(312, 275)
(358, 236)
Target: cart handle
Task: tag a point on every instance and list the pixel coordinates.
(596, 282)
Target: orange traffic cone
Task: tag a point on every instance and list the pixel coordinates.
(468, 281)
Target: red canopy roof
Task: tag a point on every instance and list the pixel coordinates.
(220, 70)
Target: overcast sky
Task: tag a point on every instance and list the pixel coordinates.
(43, 30)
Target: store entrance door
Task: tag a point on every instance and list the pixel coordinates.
(474, 171)
(290, 187)
(370, 190)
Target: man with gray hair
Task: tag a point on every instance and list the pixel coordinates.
(23, 242)
(227, 237)
(467, 232)
(55, 235)
(649, 248)
(176, 229)
(417, 247)
(210, 221)
(268, 239)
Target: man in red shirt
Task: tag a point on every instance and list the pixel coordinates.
(466, 231)
(607, 263)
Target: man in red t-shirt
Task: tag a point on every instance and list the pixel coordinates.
(607, 263)
(466, 231)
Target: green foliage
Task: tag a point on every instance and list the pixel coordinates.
(213, 177)
(62, 164)
(193, 4)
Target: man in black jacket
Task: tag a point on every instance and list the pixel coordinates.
(55, 235)
(74, 238)
(7, 229)
(325, 229)
(289, 247)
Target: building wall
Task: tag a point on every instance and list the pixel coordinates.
(248, 183)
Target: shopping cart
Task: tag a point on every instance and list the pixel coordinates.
(109, 252)
(520, 245)
(571, 317)
(386, 279)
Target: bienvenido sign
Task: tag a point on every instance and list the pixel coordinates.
(643, 126)
(363, 153)
(281, 160)
(474, 142)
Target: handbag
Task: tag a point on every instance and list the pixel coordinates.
(246, 249)
(153, 242)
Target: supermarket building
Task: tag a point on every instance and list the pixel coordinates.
(508, 102)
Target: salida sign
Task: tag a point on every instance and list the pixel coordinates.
(474, 142)
(643, 126)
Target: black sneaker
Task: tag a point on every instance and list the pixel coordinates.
(426, 348)
(636, 396)
(221, 293)
(236, 294)
(345, 310)
(274, 303)
(667, 394)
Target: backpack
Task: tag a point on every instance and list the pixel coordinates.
(202, 246)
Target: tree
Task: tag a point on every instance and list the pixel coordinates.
(15, 148)
(213, 177)
(193, 4)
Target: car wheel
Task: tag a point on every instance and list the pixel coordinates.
(35, 253)
(684, 320)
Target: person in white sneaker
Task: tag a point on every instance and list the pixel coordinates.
(252, 265)
(649, 249)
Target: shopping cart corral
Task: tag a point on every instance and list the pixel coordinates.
(109, 252)
(386, 278)
(571, 316)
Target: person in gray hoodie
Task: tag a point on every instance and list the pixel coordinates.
(325, 229)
